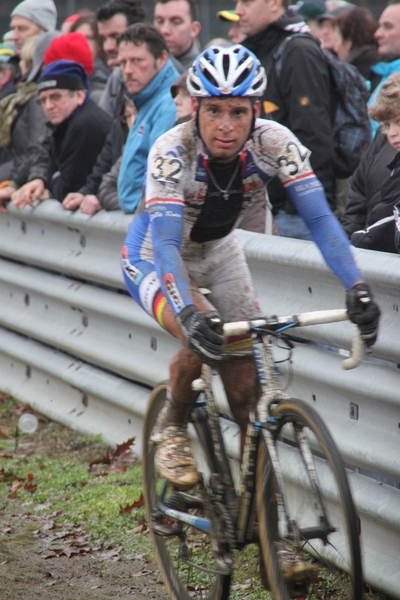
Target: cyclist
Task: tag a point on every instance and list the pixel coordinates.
(201, 178)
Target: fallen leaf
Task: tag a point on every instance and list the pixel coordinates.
(126, 510)
(4, 431)
(30, 487)
(14, 490)
(121, 448)
(104, 460)
(7, 476)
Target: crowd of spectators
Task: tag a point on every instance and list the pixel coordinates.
(81, 106)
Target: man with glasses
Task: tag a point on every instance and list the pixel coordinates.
(79, 128)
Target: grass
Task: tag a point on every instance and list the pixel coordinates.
(79, 497)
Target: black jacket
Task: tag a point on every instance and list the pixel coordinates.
(373, 192)
(299, 97)
(363, 58)
(110, 153)
(68, 158)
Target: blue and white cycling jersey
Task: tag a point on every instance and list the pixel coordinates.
(159, 242)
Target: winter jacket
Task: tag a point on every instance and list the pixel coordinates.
(363, 58)
(383, 70)
(98, 80)
(113, 94)
(366, 184)
(72, 149)
(27, 125)
(108, 192)
(111, 151)
(156, 113)
(299, 97)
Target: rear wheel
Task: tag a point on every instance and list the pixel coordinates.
(184, 554)
(321, 524)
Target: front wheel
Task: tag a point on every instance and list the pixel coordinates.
(184, 553)
(319, 523)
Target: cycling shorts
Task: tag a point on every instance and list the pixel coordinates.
(219, 266)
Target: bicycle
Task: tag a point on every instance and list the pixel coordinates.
(294, 495)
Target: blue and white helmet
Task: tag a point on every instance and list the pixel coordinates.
(226, 71)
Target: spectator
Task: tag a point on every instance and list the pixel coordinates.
(71, 46)
(26, 55)
(75, 46)
(69, 22)
(178, 22)
(108, 190)
(182, 99)
(355, 42)
(8, 41)
(148, 83)
(327, 29)
(8, 69)
(32, 17)
(388, 38)
(234, 33)
(8, 74)
(396, 214)
(87, 196)
(375, 185)
(299, 97)
(22, 122)
(148, 88)
(310, 12)
(79, 128)
(87, 25)
(113, 19)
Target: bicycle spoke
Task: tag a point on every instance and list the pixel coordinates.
(320, 521)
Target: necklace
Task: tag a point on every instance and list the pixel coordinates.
(225, 192)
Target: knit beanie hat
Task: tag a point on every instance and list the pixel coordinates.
(41, 12)
(71, 46)
(64, 75)
(43, 42)
(5, 53)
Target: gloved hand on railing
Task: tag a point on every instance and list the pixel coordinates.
(203, 333)
(363, 311)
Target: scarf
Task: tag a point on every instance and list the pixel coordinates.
(10, 108)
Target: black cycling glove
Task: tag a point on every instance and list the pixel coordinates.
(203, 333)
(363, 311)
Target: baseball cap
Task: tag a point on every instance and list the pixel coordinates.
(337, 12)
(228, 15)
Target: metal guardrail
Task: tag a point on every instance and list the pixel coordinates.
(74, 346)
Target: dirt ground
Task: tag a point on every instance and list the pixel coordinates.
(37, 560)
(51, 546)
(25, 574)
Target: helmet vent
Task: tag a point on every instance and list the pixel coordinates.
(242, 77)
(225, 64)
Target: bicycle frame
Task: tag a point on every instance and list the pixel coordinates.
(242, 518)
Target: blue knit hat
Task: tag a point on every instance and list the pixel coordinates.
(64, 75)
